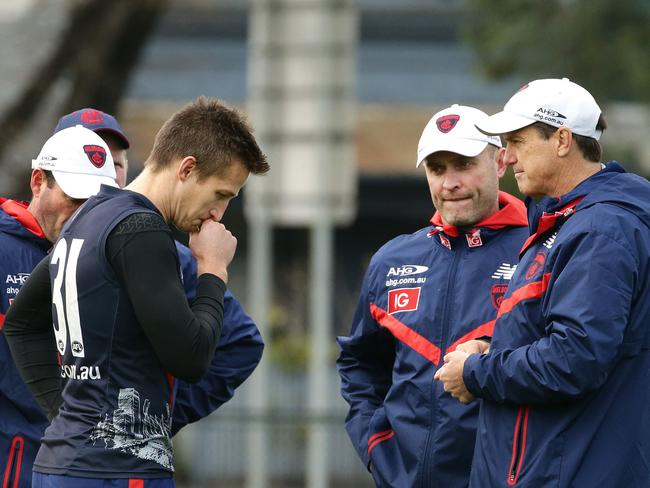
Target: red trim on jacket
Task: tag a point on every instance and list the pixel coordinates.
(17, 443)
(170, 382)
(486, 329)
(513, 472)
(18, 210)
(549, 220)
(512, 213)
(2, 320)
(136, 483)
(378, 434)
(532, 290)
(406, 335)
(378, 440)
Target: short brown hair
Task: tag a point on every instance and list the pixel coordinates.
(590, 147)
(214, 134)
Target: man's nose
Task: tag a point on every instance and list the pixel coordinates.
(509, 157)
(216, 214)
(452, 180)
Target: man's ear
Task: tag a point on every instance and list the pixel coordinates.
(499, 159)
(37, 181)
(186, 167)
(564, 139)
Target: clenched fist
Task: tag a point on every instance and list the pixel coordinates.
(213, 246)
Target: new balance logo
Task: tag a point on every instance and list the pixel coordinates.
(548, 243)
(505, 271)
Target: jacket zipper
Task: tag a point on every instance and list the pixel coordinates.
(426, 474)
(518, 445)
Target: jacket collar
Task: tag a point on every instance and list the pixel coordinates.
(551, 212)
(18, 210)
(511, 213)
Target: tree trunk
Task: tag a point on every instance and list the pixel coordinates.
(99, 47)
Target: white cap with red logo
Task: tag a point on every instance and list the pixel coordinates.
(453, 129)
(556, 102)
(80, 161)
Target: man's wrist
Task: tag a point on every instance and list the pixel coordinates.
(468, 377)
(218, 271)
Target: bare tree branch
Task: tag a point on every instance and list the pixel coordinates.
(105, 62)
(100, 47)
(21, 112)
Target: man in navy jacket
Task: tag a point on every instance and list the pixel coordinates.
(423, 295)
(566, 383)
(26, 234)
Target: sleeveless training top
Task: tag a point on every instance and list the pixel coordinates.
(115, 418)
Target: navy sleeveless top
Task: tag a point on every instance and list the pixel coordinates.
(115, 418)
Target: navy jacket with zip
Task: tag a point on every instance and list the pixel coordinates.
(22, 423)
(423, 294)
(566, 385)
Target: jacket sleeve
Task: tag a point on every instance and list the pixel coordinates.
(188, 270)
(365, 366)
(586, 313)
(30, 336)
(238, 352)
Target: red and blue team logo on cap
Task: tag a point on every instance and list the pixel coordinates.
(92, 117)
(96, 154)
(447, 122)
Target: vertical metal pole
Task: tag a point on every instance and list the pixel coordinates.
(259, 280)
(301, 98)
(320, 341)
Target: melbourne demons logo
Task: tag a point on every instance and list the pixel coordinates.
(96, 154)
(497, 293)
(447, 122)
(92, 117)
(537, 264)
(403, 300)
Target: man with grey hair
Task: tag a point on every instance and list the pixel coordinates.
(565, 386)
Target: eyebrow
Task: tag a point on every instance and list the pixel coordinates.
(511, 135)
(454, 159)
(460, 159)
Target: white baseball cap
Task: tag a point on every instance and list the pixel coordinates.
(559, 103)
(80, 161)
(453, 129)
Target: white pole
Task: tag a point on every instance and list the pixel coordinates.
(320, 342)
(259, 281)
(302, 104)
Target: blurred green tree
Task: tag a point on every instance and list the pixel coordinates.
(602, 44)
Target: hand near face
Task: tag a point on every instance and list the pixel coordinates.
(451, 375)
(213, 246)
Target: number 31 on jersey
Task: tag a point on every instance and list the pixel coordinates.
(67, 308)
